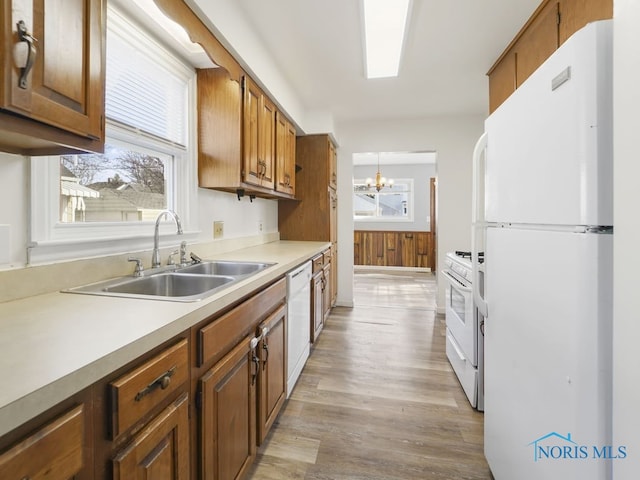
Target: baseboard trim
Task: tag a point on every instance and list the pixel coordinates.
(382, 269)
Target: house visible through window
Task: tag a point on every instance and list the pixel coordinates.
(390, 203)
(121, 185)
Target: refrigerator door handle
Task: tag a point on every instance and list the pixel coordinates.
(477, 223)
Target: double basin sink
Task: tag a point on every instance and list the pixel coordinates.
(181, 284)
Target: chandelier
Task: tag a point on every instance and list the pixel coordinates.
(381, 181)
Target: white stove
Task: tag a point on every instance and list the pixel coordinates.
(465, 327)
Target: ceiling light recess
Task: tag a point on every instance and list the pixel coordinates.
(385, 22)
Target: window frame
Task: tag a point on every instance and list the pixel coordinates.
(51, 240)
(380, 219)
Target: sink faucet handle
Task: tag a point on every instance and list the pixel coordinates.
(183, 253)
(195, 258)
(170, 260)
(139, 268)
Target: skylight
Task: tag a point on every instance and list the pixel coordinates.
(385, 22)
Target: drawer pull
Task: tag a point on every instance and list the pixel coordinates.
(163, 381)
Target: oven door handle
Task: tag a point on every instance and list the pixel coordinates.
(455, 283)
(454, 344)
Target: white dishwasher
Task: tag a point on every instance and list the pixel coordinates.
(298, 322)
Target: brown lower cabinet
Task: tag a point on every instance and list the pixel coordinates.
(161, 450)
(272, 378)
(228, 414)
(195, 407)
(54, 451)
(322, 291)
(243, 382)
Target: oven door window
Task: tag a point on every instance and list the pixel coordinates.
(457, 303)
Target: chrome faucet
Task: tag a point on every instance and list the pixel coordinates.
(155, 255)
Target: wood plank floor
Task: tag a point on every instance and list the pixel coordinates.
(378, 399)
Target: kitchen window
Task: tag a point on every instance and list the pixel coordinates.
(95, 204)
(389, 204)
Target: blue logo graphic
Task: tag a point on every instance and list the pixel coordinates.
(554, 446)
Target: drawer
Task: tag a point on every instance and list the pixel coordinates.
(54, 452)
(326, 256)
(223, 333)
(318, 262)
(135, 394)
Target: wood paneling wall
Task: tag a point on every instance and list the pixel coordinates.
(393, 249)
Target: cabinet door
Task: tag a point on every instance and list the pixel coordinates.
(317, 305)
(326, 291)
(54, 452)
(267, 142)
(273, 372)
(252, 163)
(64, 86)
(285, 155)
(334, 274)
(228, 414)
(290, 157)
(259, 130)
(161, 450)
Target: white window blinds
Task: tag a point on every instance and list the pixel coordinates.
(145, 89)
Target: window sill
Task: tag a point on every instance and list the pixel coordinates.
(51, 251)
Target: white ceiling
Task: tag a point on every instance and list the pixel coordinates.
(451, 44)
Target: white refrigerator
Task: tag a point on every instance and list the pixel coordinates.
(543, 213)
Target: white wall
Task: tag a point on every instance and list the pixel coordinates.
(626, 319)
(241, 217)
(453, 138)
(14, 200)
(421, 175)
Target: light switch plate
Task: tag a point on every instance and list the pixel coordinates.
(218, 229)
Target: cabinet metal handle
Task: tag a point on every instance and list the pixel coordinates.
(265, 347)
(256, 364)
(25, 36)
(163, 381)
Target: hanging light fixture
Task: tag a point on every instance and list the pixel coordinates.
(381, 181)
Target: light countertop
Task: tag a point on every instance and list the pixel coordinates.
(56, 344)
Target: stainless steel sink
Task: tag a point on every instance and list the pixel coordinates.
(225, 267)
(171, 285)
(184, 284)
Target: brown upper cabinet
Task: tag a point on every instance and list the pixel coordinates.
(52, 67)
(285, 155)
(237, 138)
(258, 125)
(553, 22)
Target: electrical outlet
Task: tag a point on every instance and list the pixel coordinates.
(218, 229)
